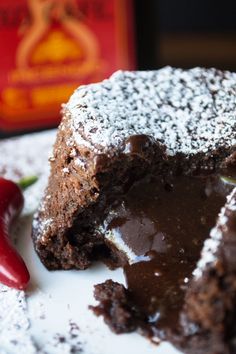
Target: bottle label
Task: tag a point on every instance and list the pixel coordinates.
(50, 47)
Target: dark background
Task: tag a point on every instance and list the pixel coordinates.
(186, 33)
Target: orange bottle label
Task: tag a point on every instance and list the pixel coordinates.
(50, 47)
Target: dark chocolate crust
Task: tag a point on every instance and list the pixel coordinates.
(185, 124)
(187, 128)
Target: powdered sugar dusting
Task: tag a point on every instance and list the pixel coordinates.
(14, 323)
(189, 111)
(20, 157)
(43, 225)
(211, 245)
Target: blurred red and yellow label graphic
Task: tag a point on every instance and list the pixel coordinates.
(50, 47)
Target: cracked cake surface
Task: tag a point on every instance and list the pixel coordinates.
(166, 123)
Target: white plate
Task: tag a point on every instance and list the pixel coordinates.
(55, 301)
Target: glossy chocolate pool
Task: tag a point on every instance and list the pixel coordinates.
(161, 226)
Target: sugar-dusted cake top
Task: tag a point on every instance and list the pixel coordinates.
(223, 231)
(187, 110)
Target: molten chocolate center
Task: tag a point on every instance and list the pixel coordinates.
(161, 227)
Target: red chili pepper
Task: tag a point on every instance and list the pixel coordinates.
(13, 271)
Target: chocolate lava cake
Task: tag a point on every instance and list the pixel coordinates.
(142, 176)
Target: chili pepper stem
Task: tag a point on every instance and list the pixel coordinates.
(26, 182)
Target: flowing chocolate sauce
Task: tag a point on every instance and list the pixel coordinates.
(161, 226)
